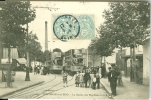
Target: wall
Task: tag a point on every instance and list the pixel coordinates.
(146, 62)
(96, 63)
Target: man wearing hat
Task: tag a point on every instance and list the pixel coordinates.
(112, 78)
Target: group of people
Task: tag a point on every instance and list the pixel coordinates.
(91, 78)
(87, 79)
(99, 69)
(41, 70)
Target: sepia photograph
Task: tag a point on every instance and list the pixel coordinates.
(75, 50)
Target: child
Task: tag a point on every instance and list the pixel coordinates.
(77, 79)
(81, 80)
(65, 74)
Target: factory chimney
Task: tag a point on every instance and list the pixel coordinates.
(46, 36)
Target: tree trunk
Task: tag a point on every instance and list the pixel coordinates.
(101, 61)
(104, 64)
(131, 64)
(134, 67)
(1, 47)
(8, 69)
(1, 56)
(121, 66)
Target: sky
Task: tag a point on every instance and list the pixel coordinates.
(61, 8)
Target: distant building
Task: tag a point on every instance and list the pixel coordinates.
(82, 57)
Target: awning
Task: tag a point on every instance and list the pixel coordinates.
(21, 60)
(5, 61)
(128, 56)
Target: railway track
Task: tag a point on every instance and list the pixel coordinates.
(38, 90)
(50, 90)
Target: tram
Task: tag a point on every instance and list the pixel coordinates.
(73, 61)
(56, 62)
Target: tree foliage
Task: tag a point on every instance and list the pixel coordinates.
(127, 22)
(57, 50)
(14, 16)
(100, 46)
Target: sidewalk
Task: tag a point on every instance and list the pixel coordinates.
(130, 90)
(20, 83)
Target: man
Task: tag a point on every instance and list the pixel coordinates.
(112, 78)
(86, 78)
(103, 71)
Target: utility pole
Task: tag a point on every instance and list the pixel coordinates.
(1, 49)
(27, 67)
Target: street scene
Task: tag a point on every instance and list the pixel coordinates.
(74, 50)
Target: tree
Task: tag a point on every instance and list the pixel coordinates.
(101, 46)
(34, 47)
(57, 50)
(127, 24)
(93, 51)
(15, 15)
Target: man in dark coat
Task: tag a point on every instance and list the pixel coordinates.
(86, 78)
(112, 78)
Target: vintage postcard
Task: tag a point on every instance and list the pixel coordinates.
(74, 50)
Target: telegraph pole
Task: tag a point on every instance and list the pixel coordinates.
(1, 49)
(27, 67)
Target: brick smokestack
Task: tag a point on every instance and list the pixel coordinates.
(46, 36)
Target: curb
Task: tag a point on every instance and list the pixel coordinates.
(4, 95)
(106, 88)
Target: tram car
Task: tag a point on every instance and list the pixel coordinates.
(56, 63)
(73, 61)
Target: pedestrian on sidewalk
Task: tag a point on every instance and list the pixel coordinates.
(38, 69)
(41, 71)
(35, 70)
(98, 80)
(65, 75)
(81, 80)
(112, 78)
(103, 71)
(94, 82)
(86, 78)
(77, 79)
(120, 82)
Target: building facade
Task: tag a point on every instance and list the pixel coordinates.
(146, 62)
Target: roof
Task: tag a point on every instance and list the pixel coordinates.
(127, 56)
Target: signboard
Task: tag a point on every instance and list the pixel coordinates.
(5, 61)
